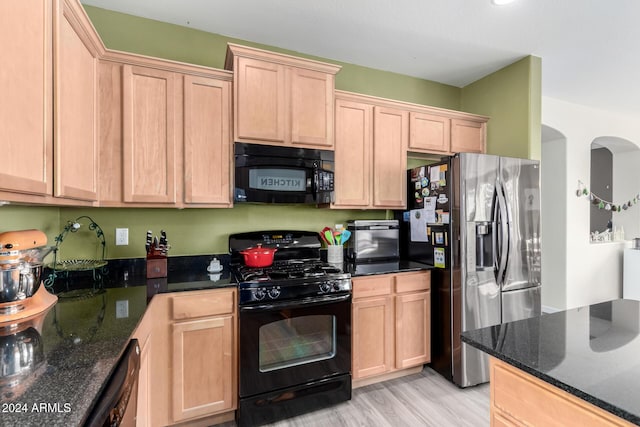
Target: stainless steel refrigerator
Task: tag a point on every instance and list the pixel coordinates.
(476, 218)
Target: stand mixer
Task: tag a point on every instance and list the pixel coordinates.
(21, 266)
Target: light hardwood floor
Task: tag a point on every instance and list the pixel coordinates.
(423, 399)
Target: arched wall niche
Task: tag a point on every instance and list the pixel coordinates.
(614, 178)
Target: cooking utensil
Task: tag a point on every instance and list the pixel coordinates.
(324, 239)
(328, 235)
(258, 256)
(345, 236)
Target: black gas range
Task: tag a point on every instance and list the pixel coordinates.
(297, 272)
(294, 328)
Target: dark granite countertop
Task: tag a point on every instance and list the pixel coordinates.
(78, 341)
(383, 267)
(591, 352)
(76, 349)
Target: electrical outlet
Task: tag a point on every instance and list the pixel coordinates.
(122, 309)
(122, 236)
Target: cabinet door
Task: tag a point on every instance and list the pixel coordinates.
(25, 84)
(467, 136)
(207, 141)
(143, 418)
(149, 135)
(260, 95)
(76, 139)
(429, 133)
(413, 335)
(373, 337)
(311, 107)
(203, 367)
(390, 135)
(353, 154)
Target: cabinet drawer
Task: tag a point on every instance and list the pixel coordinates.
(201, 304)
(372, 286)
(520, 396)
(413, 282)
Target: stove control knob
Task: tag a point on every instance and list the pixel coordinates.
(325, 287)
(259, 294)
(336, 286)
(274, 292)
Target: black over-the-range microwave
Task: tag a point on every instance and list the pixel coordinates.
(274, 174)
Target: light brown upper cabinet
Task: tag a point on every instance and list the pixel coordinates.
(390, 135)
(26, 86)
(207, 141)
(37, 127)
(438, 134)
(75, 110)
(373, 137)
(370, 154)
(467, 136)
(354, 140)
(165, 137)
(281, 99)
(149, 132)
(429, 133)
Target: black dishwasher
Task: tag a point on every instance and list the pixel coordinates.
(117, 402)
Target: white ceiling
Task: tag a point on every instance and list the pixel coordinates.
(589, 48)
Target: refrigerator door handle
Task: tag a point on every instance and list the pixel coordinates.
(503, 238)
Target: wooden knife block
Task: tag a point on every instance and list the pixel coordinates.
(156, 267)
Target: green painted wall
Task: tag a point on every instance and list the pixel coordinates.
(198, 231)
(511, 97)
(159, 39)
(46, 219)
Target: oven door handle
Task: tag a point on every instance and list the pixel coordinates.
(326, 299)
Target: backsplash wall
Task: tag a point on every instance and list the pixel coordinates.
(46, 219)
(189, 231)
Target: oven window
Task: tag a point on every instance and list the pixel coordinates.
(278, 179)
(297, 341)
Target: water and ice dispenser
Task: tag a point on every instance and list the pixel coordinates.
(485, 245)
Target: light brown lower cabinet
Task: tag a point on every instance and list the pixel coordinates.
(520, 399)
(413, 337)
(144, 334)
(391, 323)
(188, 373)
(144, 385)
(202, 367)
(373, 334)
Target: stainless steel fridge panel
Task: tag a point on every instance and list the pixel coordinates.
(480, 298)
(475, 369)
(521, 304)
(475, 292)
(519, 181)
(478, 174)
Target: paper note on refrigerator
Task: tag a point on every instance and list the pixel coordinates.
(418, 226)
(434, 173)
(430, 209)
(438, 257)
